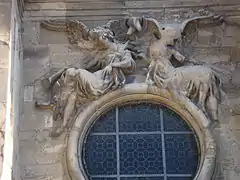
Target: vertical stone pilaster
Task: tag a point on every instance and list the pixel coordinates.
(10, 78)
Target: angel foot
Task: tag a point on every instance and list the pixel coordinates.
(149, 81)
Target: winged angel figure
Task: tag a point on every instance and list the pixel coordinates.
(199, 83)
(106, 69)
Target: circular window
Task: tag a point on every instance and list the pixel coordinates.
(142, 141)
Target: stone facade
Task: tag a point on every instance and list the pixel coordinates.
(39, 156)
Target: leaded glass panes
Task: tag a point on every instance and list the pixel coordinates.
(140, 142)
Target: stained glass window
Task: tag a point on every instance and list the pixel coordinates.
(141, 141)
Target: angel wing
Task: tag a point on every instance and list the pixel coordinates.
(211, 41)
(76, 30)
(139, 26)
(138, 31)
(119, 28)
(93, 42)
(190, 27)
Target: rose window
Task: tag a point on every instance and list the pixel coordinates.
(141, 141)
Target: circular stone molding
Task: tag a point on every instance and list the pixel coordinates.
(135, 92)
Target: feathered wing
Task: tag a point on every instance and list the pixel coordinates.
(190, 27)
(206, 40)
(76, 30)
(79, 35)
(119, 28)
(199, 31)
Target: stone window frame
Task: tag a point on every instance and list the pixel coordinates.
(135, 92)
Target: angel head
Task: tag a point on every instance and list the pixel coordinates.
(169, 35)
(101, 34)
(140, 25)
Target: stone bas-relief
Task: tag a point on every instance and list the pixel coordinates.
(76, 85)
(72, 87)
(198, 83)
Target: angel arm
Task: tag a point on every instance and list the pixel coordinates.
(126, 61)
(177, 55)
(75, 30)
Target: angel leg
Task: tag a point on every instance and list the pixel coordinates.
(150, 74)
(49, 82)
(203, 91)
(69, 108)
(178, 55)
(212, 107)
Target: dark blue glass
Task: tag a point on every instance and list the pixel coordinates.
(139, 118)
(141, 178)
(106, 122)
(140, 154)
(100, 155)
(181, 154)
(103, 178)
(179, 178)
(173, 122)
(132, 148)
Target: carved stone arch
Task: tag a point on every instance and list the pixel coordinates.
(140, 91)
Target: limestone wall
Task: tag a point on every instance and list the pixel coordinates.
(42, 157)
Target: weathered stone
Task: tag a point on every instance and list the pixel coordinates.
(225, 71)
(211, 59)
(4, 51)
(31, 32)
(62, 49)
(236, 77)
(3, 88)
(37, 157)
(63, 60)
(5, 19)
(2, 115)
(232, 31)
(235, 123)
(40, 93)
(28, 93)
(55, 171)
(36, 64)
(48, 37)
(234, 105)
(229, 41)
(33, 118)
(204, 36)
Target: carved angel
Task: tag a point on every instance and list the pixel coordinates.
(96, 43)
(198, 83)
(78, 84)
